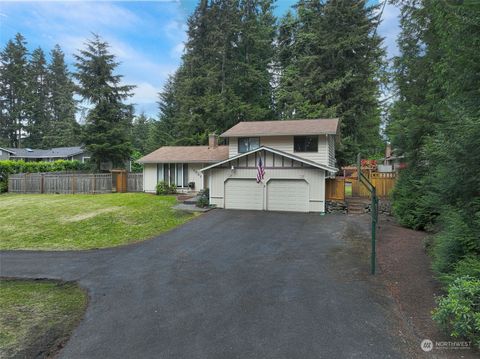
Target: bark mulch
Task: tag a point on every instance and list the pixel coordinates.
(405, 269)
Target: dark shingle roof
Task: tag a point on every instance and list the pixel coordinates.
(6, 150)
(58, 152)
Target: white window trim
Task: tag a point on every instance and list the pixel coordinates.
(168, 174)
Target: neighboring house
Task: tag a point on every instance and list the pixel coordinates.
(5, 153)
(391, 162)
(297, 156)
(52, 154)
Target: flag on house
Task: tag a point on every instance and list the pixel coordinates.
(260, 170)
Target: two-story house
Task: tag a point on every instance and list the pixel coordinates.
(297, 157)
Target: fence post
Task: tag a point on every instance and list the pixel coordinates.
(94, 183)
(374, 209)
(42, 183)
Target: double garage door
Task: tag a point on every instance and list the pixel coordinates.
(278, 195)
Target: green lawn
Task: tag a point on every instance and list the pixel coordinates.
(37, 316)
(348, 190)
(61, 222)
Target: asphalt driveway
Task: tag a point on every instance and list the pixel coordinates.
(229, 284)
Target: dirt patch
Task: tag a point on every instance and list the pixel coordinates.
(88, 215)
(405, 269)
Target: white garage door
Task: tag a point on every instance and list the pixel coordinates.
(243, 194)
(287, 195)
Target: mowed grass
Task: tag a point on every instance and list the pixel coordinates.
(72, 222)
(37, 316)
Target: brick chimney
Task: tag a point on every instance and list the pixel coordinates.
(212, 140)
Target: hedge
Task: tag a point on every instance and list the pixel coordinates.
(8, 167)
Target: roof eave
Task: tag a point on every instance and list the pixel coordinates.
(281, 153)
(270, 134)
(176, 161)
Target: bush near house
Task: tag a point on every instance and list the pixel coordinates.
(203, 198)
(459, 310)
(164, 188)
(8, 167)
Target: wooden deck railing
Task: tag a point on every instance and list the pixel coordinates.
(335, 187)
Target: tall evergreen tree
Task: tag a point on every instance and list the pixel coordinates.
(224, 77)
(107, 129)
(141, 133)
(435, 124)
(329, 58)
(13, 91)
(62, 129)
(37, 100)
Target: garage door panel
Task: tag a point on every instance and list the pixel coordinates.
(243, 194)
(287, 195)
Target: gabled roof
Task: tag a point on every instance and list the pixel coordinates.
(283, 127)
(6, 150)
(57, 152)
(186, 154)
(280, 153)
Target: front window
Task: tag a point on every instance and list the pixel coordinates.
(305, 144)
(246, 144)
(175, 173)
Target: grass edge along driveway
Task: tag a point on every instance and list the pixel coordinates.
(78, 222)
(38, 316)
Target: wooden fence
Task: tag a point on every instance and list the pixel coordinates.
(335, 187)
(69, 183)
(135, 182)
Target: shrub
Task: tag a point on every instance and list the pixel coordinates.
(164, 188)
(136, 167)
(459, 311)
(203, 198)
(457, 240)
(3, 186)
(412, 211)
(468, 266)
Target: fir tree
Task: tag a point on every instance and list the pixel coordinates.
(435, 124)
(13, 91)
(141, 129)
(224, 77)
(329, 63)
(107, 129)
(62, 129)
(37, 100)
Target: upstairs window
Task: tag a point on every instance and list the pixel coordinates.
(246, 144)
(305, 144)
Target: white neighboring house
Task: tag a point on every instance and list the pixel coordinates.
(297, 156)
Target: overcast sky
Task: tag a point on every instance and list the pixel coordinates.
(146, 36)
